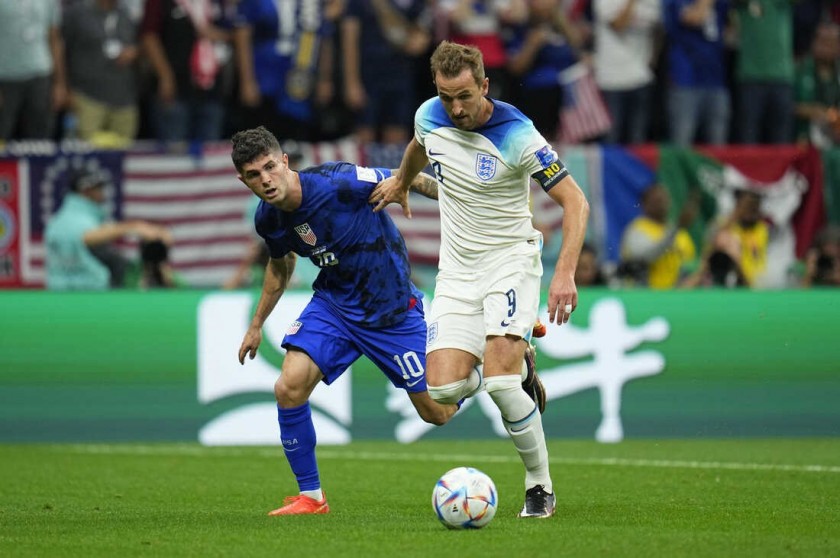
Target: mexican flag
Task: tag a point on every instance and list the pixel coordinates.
(789, 178)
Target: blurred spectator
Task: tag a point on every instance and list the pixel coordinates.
(33, 83)
(698, 98)
(817, 86)
(480, 23)
(822, 262)
(134, 8)
(101, 46)
(588, 271)
(538, 51)
(655, 253)
(284, 58)
(155, 270)
(764, 70)
(720, 264)
(187, 45)
(381, 43)
(625, 39)
(807, 15)
(78, 227)
(743, 237)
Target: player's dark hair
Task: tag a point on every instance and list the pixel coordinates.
(252, 144)
(450, 59)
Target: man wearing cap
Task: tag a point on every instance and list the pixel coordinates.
(78, 227)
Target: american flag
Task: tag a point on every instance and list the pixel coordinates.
(196, 196)
(201, 202)
(583, 115)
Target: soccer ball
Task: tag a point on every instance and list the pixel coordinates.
(465, 498)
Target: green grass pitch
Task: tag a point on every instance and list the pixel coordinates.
(638, 498)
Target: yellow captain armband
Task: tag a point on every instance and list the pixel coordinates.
(551, 175)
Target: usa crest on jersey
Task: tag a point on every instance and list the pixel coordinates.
(306, 234)
(485, 166)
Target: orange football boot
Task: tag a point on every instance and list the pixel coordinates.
(302, 505)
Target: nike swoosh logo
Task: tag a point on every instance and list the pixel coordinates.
(414, 383)
(505, 324)
(433, 154)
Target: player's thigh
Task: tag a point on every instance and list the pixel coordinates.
(503, 355)
(399, 351)
(512, 295)
(456, 320)
(319, 334)
(445, 366)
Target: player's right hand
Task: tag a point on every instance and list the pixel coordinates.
(250, 344)
(390, 191)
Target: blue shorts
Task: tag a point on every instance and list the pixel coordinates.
(334, 344)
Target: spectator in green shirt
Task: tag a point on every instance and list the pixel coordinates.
(78, 227)
(817, 89)
(764, 70)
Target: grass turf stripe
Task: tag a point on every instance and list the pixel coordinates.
(199, 451)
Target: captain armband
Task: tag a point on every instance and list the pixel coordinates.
(551, 175)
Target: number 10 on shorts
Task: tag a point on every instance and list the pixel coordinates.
(410, 365)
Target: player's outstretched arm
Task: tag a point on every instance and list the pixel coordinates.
(562, 292)
(277, 275)
(395, 188)
(425, 185)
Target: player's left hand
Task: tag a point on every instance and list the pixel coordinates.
(562, 299)
(250, 344)
(390, 191)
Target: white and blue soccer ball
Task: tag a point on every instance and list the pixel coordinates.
(465, 498)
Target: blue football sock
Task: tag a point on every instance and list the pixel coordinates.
(297, 433)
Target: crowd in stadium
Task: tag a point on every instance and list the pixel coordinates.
(687, 72)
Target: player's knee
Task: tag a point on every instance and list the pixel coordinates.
(288, 396)
(448, 394)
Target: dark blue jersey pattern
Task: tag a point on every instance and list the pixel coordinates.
(365, 274)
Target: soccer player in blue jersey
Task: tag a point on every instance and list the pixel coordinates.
(364, 301)
(487, 294)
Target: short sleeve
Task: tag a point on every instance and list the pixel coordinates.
(365, 179)
(545, 166)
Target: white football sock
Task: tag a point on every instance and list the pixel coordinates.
(316, 494)
(523, 423)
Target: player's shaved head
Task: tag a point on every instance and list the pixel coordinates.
(249, 145)
(450, 59)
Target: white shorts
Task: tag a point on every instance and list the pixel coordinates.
(502, 299)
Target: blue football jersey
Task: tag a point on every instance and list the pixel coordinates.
(365, 274)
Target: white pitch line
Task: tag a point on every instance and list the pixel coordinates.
(199, 451)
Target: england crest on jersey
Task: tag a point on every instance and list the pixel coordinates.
(306, 234)
(485, 166)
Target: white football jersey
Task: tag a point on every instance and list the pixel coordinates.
(484, 180)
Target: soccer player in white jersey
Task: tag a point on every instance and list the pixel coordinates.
(484, 153)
